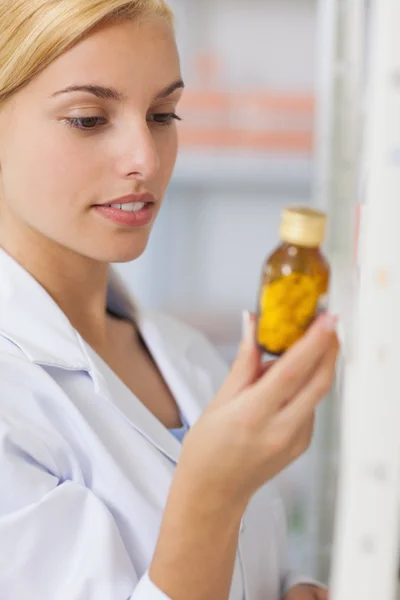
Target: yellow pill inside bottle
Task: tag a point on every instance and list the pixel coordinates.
(294, 282)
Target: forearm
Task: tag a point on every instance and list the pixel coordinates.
(196, 550)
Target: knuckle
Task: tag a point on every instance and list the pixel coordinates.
(336, 342)
(296, 451)
(309, 430)
(337, 346)
(304, 439)
(334, 348)
(301, 447)
(277, 442)
(308, 437)
(290, 375)
(323, 385)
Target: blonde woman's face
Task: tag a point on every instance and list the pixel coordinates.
(65, 154)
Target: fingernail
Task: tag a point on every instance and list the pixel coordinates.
(249, 329)
(329, 322)
(246, 319)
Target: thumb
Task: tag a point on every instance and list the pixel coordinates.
(247, 366)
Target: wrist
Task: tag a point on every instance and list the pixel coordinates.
(207, 497)
(196, 548)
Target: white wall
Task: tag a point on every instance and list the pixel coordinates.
(259, 42)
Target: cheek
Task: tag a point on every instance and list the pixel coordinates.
(60, 163)
(50, 168)
(167, 152)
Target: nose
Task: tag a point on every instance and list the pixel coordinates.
(139, 158)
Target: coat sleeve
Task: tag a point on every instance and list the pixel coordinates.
(58, 540)
(290, 579)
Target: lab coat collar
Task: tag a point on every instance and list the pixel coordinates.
(32, 320)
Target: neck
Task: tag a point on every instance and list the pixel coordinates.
(76, 283)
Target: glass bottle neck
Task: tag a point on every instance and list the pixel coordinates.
(310, 250)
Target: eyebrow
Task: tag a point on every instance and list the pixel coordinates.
(110, 93)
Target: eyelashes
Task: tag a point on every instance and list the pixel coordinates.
(164, 118)
(84, 123)
(95, 123)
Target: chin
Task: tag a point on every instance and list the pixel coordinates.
(123, 251)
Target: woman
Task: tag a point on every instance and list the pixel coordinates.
(96, 394)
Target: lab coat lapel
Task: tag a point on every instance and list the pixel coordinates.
(188, 383)
(132, 409)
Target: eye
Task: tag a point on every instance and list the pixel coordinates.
(163, 118)
(84, 123)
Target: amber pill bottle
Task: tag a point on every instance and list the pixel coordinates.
(294, 282)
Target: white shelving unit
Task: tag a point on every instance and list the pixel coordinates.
(338, 66)
(365, 561)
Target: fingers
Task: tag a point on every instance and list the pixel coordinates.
(247, 366)
(265, 367)
(306, 592)
(288, 375)
(305, 403)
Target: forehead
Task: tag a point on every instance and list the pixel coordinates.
(140, 56)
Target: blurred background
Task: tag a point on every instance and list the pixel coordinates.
(258, 135)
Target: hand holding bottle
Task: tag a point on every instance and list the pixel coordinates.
(261, 421)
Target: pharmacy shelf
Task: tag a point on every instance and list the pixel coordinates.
(268, 173)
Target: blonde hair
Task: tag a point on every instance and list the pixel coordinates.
(33, 33)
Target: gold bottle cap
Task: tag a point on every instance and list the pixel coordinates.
(303, 227)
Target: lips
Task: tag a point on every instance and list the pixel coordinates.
(135, 210)
(138, 214)
(131, 202)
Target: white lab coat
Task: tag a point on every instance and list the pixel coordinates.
(85, 468)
